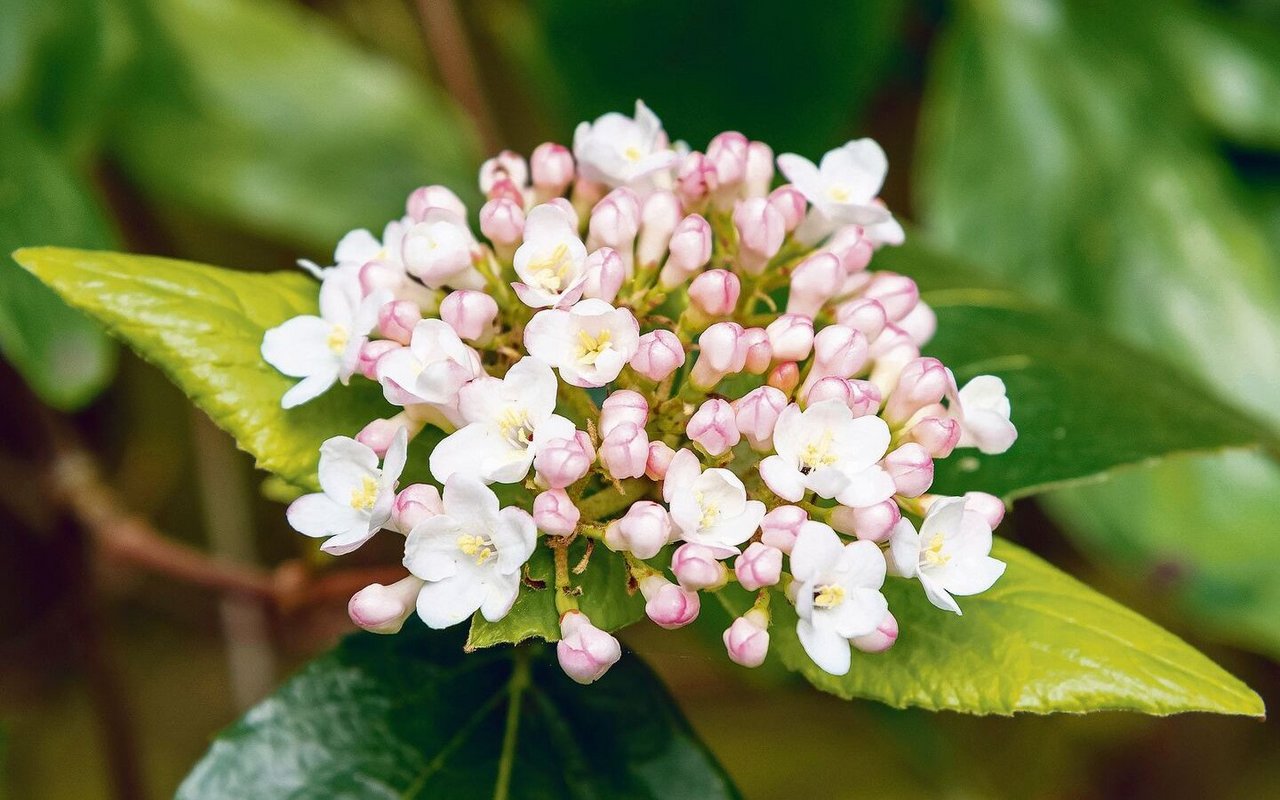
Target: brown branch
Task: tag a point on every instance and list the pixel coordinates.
(451, 49)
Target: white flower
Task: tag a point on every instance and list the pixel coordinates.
(837, 593)
(431, 370)
(552, 261)
(590, 343)
(843, 187)
(618, 151)
(358, 247)
(357, 497)
(983, 413)
(710, 508)
(437, 251)
(470, 556)
(324, 349)
(508, 421)
(827, 450)
(950, 555)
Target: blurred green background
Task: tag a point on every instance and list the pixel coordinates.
(1120, 159)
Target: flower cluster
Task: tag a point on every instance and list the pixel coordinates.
(673, 357)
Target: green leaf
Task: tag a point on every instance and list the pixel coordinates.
(203, 327)
(63, 355)
(1038, 641)
(410, 716)
(258, 112)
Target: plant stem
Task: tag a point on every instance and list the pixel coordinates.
(607, 502)
(506, 762)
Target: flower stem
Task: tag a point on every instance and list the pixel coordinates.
(604, 504)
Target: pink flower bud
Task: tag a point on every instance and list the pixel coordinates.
(838, 351)
(873, 523)
(604, 274)
(585, 652)
(911, 469)
(370, 352)
(791, 204)
(727, 154)
(922, 382)
(747, 639)
(760, 233)
(695, 178)
(668, 605)
(756, 414)
(690, 250)
(864, 398)
(937, 435)
(759, 351)
(552, 169)
(643, 531)
(659, 216)
(760, 565)
(658, 354)
(554, 513)
(714, 427)
(625, 451)
(424, 199)
(830, 388)
(396, 320)
(566, 208)
(623, 405)
(715, 292)
(881, 639)
(376, 275)
(415, 503)
(920, 323)
(781, 526)
(813, 283)
(721, 352)
(616, 219)
(791, 336)
(988, 506)
(897, 293)
(377, 435)
(660, 455)
(506, 189)
(564, 461)
(502, 222)
(851, 247)
(785, 377)
(863, 314)
(506, 165)
(384, 609)
(470, 313)
(759, 171)
(696, 567)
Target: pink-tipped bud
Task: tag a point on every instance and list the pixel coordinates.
(791, 336)
(370, 352)
(864, 315)
(624, 451)
(759, 350)
(760, 565)
(873, 523)
(506, 189)
(552, 168)
(695, 178)
(643, 531)
(923, 382)
(584, 651)
(721, 351)
(660, 455)
(425, 198)
(669, 606)
(756, 413)
(897, 293)
(623, 405)
(696, 567)
(375, 275)
(604, 274)
(813, 283)
(747, 639)
(377, 435)
(937, 435)
(851, 247)
(785, 377)
(396, 320)
(781, 526)
(881, 639)
(791, 204)
(567, 208)
(988, 506)
(689, 251)
(713, 427)
(920, 323)
(470, 313)
(838, 351)
(564, 461)
(658, 355)
(384, 609)
(727, 154)
(502, 222)
(505, 166)
(760, 233)
(759, 172)
(715, 292)
(830, 388)
(554, 513)
(911, 469)
(616, 219)
(659, 216)
(415, 503)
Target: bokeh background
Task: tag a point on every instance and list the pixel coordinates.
(1121, 159)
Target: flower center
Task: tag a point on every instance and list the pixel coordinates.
(932, 555)
(338, 337)
(816, 453)
(365, 495)
(590, 348)
(838, 193)
(516, 428)
(710, 512)
(632, 153)
(828, 596)
(549, 273)
(477, 547)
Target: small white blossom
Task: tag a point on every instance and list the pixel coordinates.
(710, 507)
(357, 496)
(470, 555)
(431, 370)
(837, 593)
(590, 343)
(323, 350)
(617, 150)
(825, 449)
(844, 187)
(983, 413)
(358, 247)
(950, 555)
(551, 262)
(508, 421)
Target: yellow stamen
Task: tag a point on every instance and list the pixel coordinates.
(838, 194)
(932, 554)
(632, 153)
(479, 548)
(828, 596)
(817, 453)
(590, 348)
(338, 338)
(549, 273)
(515, 427)
(365, 495)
